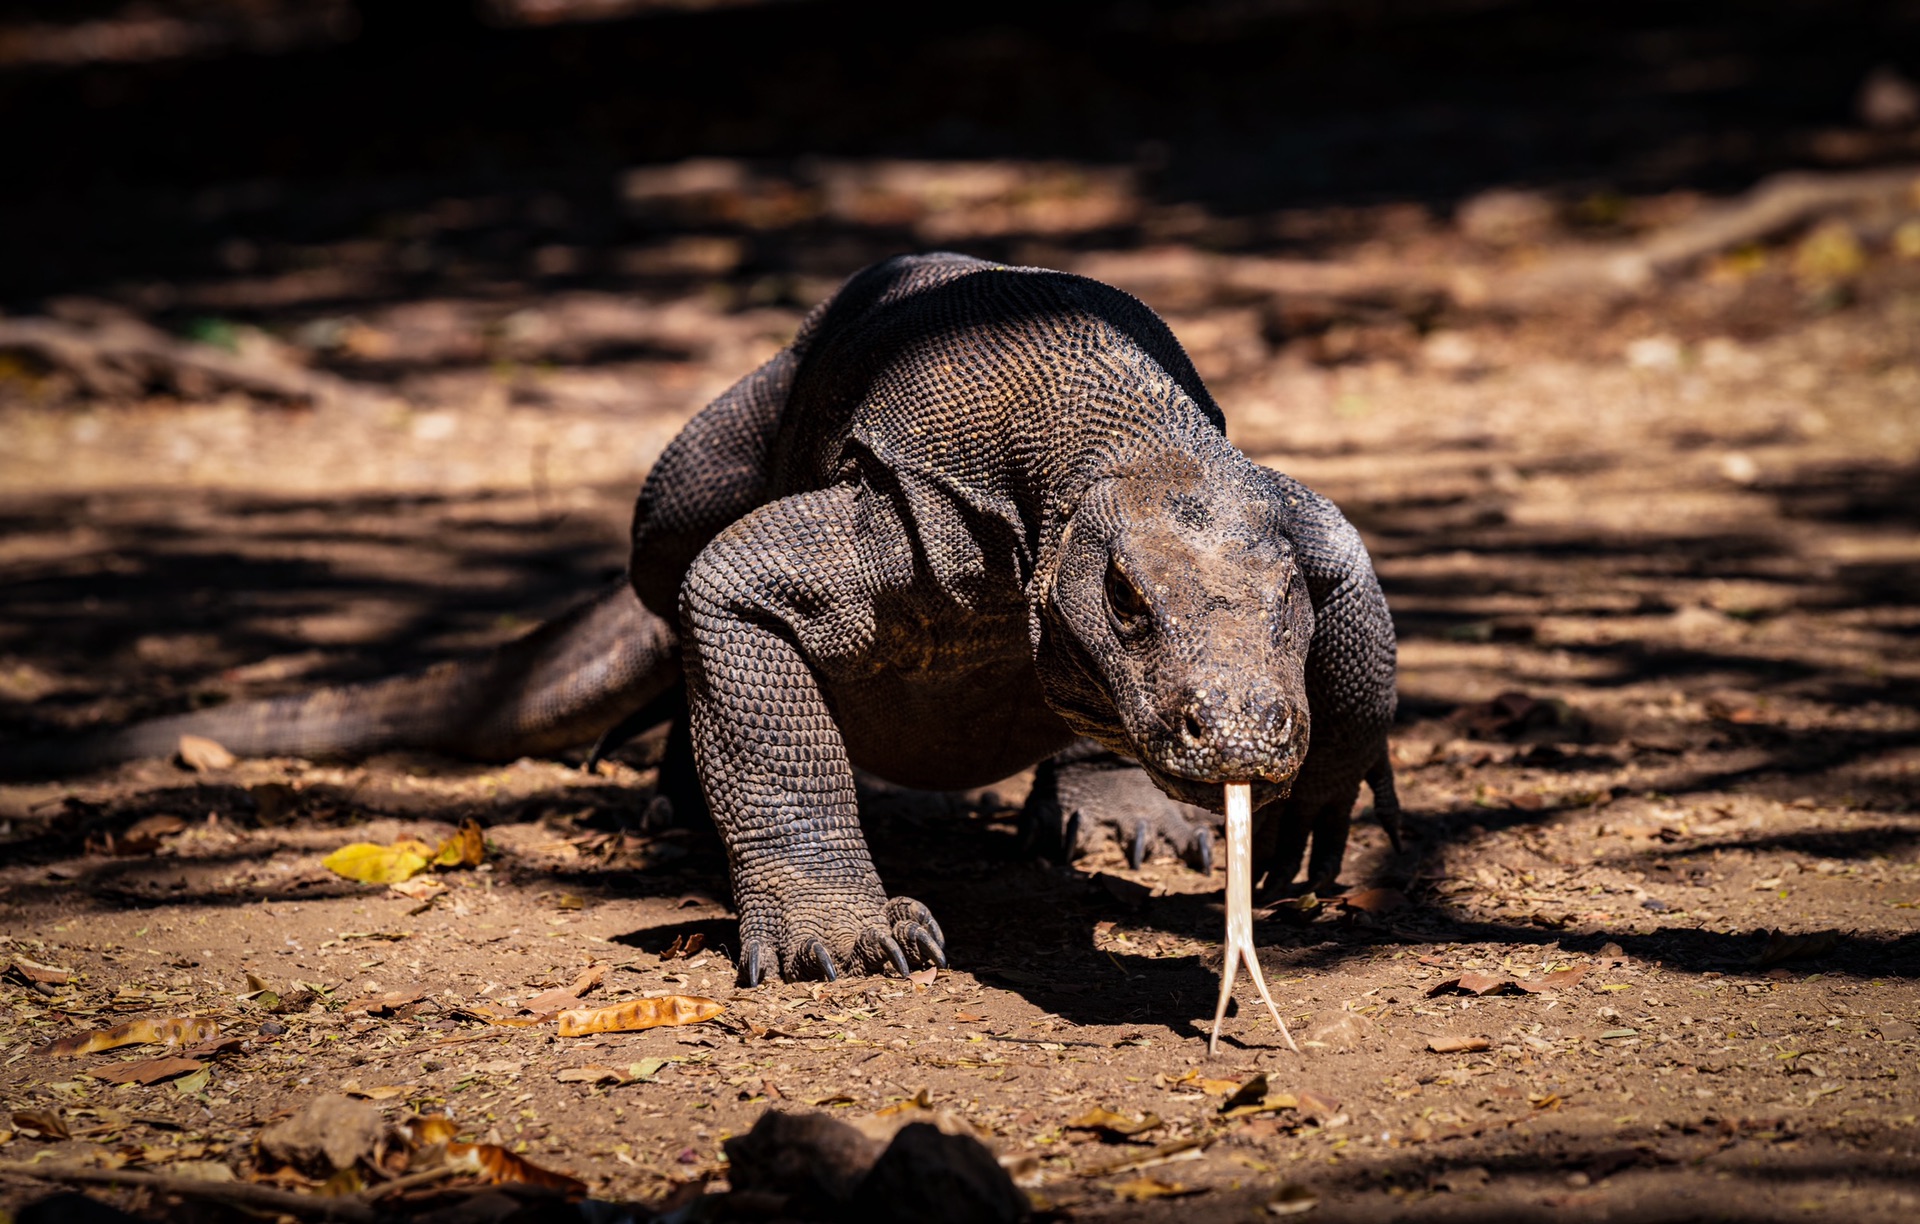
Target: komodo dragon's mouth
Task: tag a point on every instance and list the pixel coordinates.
(1206, 793)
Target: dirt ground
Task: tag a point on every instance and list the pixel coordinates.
(1653, 569)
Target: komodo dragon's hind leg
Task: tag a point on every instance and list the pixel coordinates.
(1085, 791)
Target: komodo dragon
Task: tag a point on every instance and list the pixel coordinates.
(973, 517)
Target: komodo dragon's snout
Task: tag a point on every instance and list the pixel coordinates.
(1178, 606)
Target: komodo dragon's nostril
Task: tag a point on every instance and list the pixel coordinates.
(1191, 729)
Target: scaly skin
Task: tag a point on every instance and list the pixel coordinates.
(972, 517)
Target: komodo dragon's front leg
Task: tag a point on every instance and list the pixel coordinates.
(774, 597)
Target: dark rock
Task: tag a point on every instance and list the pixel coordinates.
(930, 1177)
(813, 1159)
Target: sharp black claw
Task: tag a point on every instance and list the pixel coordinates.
(924, 943)
(1070, 838)
(1137, 853)
(824, 959)
(1200, 853)
(897, 954)
(752, 966)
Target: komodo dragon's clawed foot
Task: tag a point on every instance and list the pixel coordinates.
(902, 935)
(1082, 795)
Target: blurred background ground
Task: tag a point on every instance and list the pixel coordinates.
(337, 338)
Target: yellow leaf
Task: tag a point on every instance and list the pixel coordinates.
(180, 1030)
(467, 848)
(638, 1014)
(1140, 1189)
(371, 864)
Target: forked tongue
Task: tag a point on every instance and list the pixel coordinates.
(1240, 912)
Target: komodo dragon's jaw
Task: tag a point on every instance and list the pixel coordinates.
(1175, 630)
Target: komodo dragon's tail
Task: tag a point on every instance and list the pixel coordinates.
(563, 684)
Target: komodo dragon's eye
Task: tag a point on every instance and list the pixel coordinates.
(1129, 606)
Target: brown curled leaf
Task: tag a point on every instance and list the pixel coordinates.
(466, 848)
(147, 1071)
(34, 973)
(41, 1123)
(1472, 983)
(638, 1014)
(1564, 979)
(1111, 1124)
(1459, 1045)
(1374, 901)
(589, 977)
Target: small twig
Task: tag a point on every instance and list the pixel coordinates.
(350, 1208)
(409, 1181)
(120, 356)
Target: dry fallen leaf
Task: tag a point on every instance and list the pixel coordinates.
(1192, 1148)
(202, 755)
(924, 977)
(193, 1081)
(141, 837)
(1292, 1199)
(1253, 1098)
(1141, 1189)
(379, 1092)
(41, 1123)
(1318, 1104)
(1374, 900)
(33, 972)
(1471, 983)
(147, 1071)
(638, 1014)
(589, 977)
(683, 946)
(1459, 1045)
(417, 890)
(384, 1004)
(593, 1074)
(1109, 1123)
(1254, 1090)
(1212, 1087)
(560, 998)
(466, 848)
(372, 864)
(178, 1030)
(498, 1165)
(1564, 979)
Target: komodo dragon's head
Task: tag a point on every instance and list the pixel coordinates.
(1174, 629)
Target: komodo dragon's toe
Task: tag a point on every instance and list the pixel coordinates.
(1087, 793)
(820, 944)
